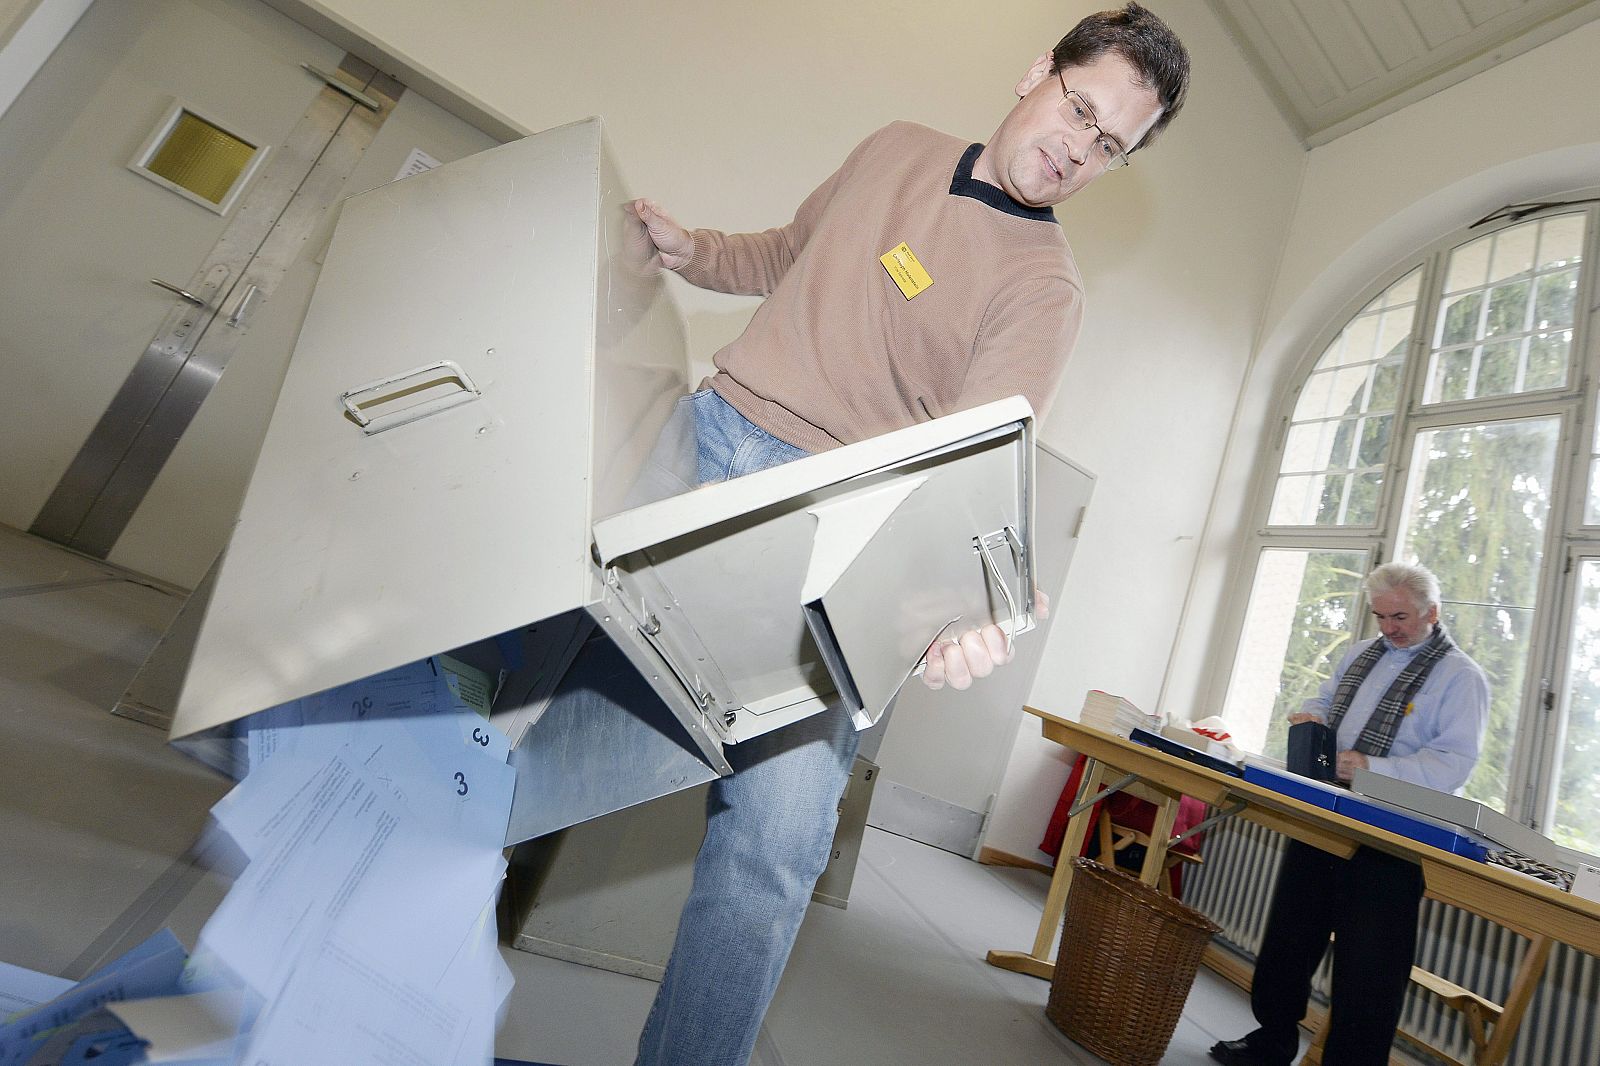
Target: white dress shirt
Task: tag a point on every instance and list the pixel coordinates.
(1439, 738)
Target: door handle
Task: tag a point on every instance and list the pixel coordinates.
(242, 308)
(184, 293)
(338, 86)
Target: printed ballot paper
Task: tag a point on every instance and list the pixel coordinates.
(366, 843)
(62, 1029)
(22, 990)
(372, 821)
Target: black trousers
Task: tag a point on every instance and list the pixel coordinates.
(1369, 903)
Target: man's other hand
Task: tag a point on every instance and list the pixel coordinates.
(976, 653)
(1349, 763)
(1300, 717)
(674, 247)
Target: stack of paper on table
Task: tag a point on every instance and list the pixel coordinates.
(1113, 714)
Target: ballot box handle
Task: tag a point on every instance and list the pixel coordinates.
(986, 546)
(405, 397)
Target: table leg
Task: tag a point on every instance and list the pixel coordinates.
(1155, 856)
(1523, 986)
(1039, 962)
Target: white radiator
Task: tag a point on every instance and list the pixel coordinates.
(1562, 1027)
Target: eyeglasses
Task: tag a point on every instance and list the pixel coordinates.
(1080, 116)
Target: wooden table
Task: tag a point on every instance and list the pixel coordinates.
(1527, 907)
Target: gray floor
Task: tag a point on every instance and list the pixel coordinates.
(96, 814)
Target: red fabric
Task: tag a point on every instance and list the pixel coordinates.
(1127, 811)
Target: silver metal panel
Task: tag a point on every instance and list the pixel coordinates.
(585, 758)
(833, 886)
(547, 650)
(714, 580)
(876, 612)
(357, 553)
(1460, 811)
(906, 812)
(607, 894)
(955, 745)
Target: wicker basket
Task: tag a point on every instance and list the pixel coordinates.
(1127, 960)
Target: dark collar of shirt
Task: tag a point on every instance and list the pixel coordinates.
(964, 184)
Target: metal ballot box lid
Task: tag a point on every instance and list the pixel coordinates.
(828, 577)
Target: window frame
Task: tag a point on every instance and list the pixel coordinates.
(1530, 785)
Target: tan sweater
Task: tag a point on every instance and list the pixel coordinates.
(837, 354)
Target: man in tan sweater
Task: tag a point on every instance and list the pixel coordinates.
(926, 276)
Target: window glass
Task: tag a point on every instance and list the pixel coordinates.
(1476, 512)
(1298, 624)
(1577, 778)
(1331, 471)
(1518, 289)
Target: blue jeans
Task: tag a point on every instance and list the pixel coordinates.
(769, 831)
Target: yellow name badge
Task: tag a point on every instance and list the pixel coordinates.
(902, 265)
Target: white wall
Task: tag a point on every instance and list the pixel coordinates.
(29, 31)
(1525, 130)
(729, 114)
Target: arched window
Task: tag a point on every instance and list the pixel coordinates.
(1448, 421)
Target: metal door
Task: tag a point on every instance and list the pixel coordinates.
(106, 444)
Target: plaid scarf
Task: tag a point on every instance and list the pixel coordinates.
(1377, 736)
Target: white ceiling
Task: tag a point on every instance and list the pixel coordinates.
(1335, 65)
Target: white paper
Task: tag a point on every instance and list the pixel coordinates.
(333, 843)
(345, 1006)
(185, 1028)
(22, 989)
(417, 162)
(373, 821)
(151, 969)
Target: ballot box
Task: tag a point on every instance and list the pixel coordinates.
(474, 451)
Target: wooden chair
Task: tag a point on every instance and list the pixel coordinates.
(1114, 837)
(1478, 1013)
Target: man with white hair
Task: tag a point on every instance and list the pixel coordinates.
(1408, 704)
